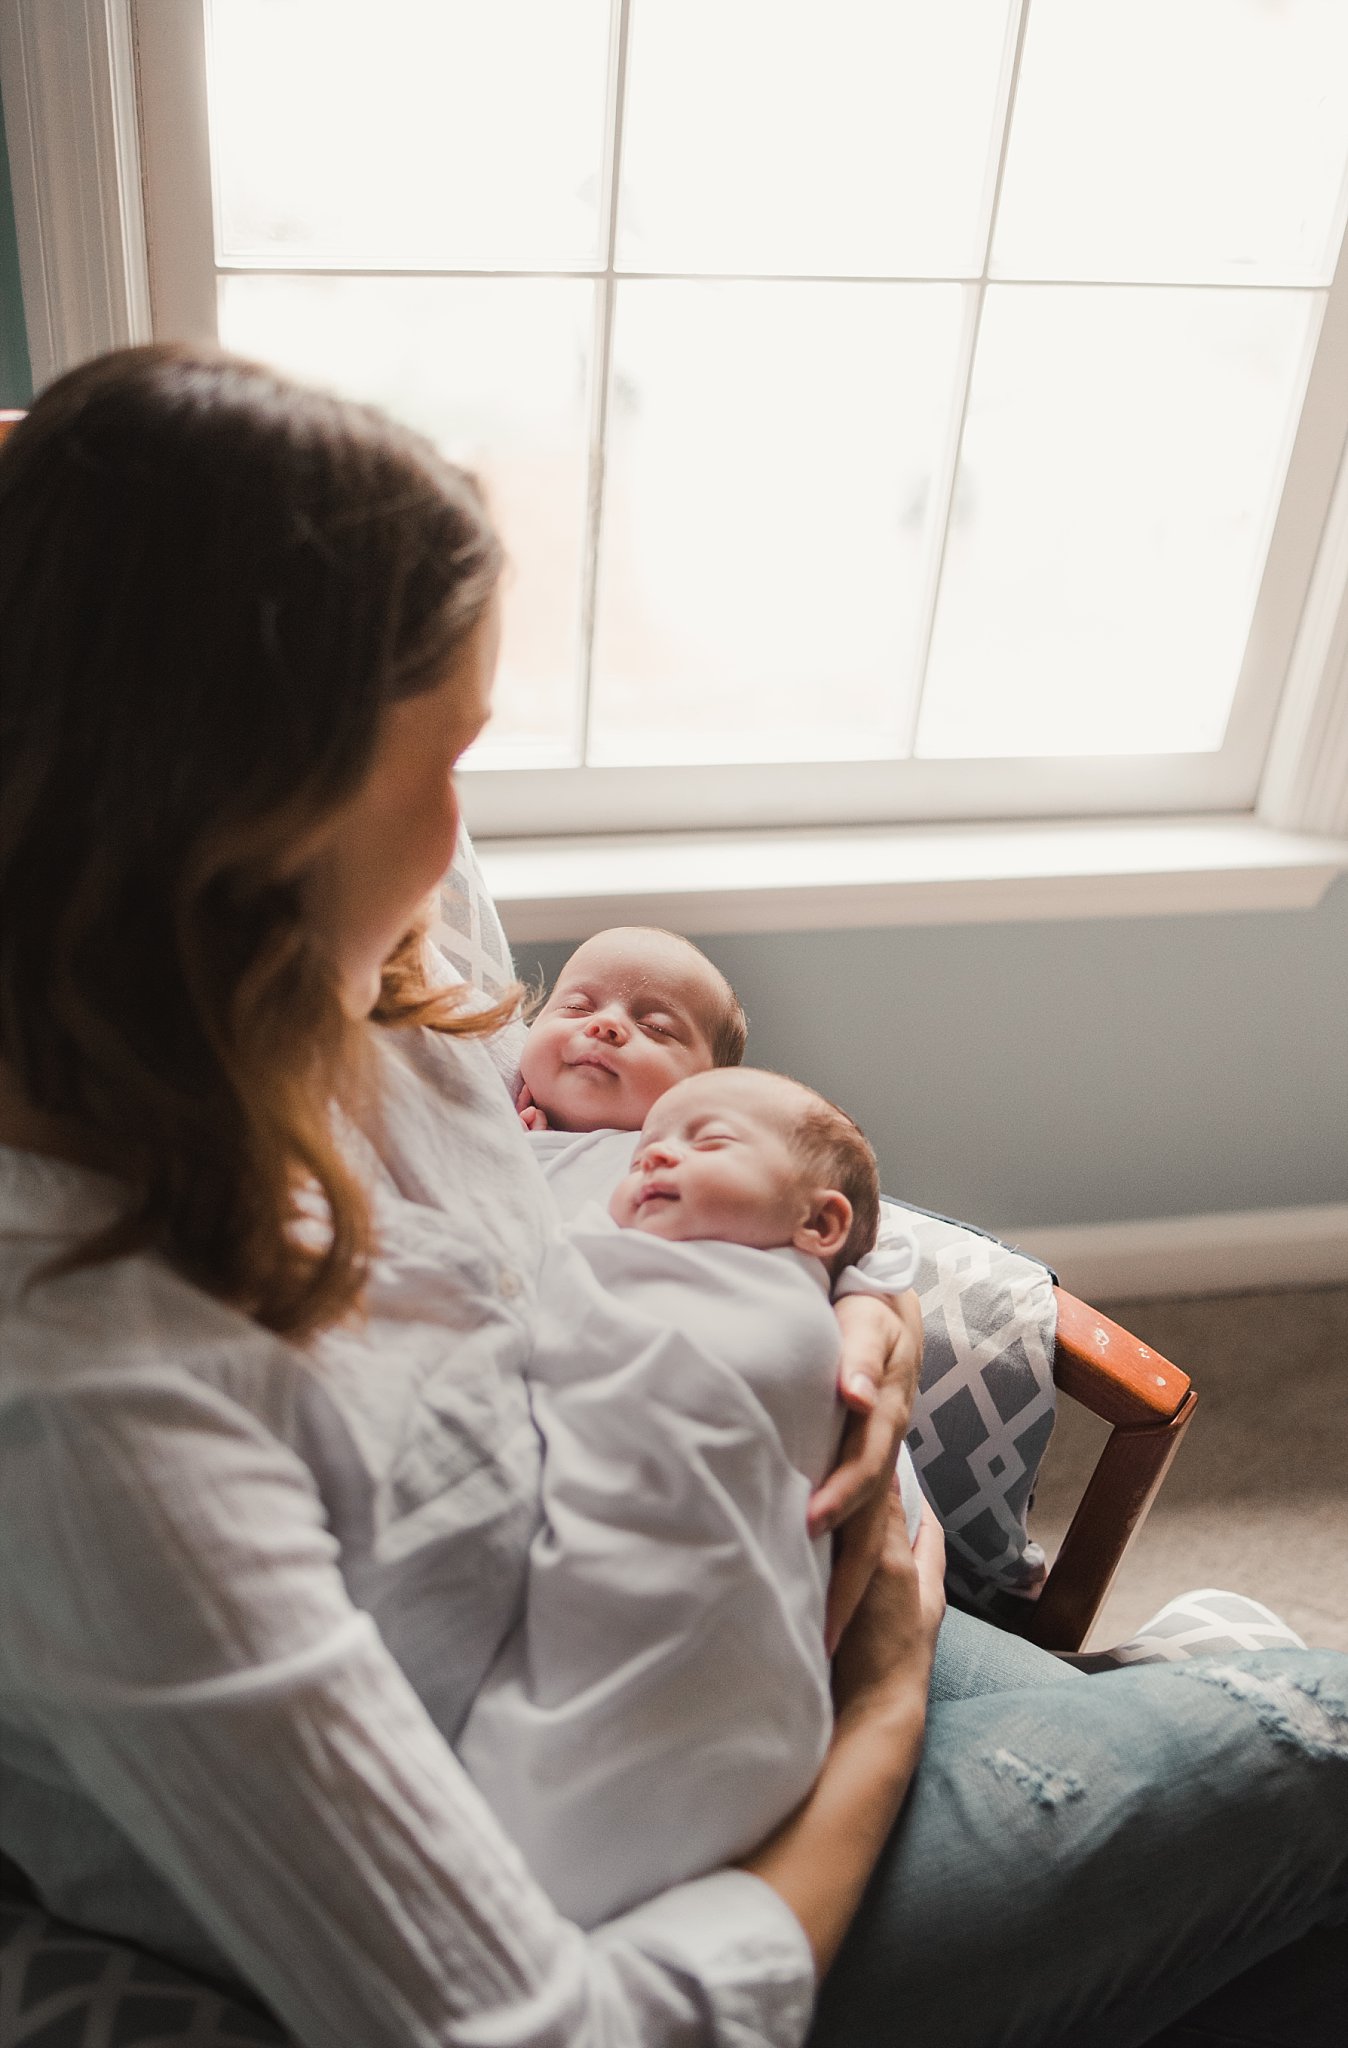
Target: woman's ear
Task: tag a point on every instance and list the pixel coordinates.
(825, 1229)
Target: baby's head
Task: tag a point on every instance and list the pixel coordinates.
(752, 1158)
(634, 1010)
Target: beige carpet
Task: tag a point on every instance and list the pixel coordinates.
(1257, 1499)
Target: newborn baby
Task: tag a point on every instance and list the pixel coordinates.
(664, 1701)
(754, 1159)
(633, 1010)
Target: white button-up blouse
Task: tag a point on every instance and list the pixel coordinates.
(247, 1594)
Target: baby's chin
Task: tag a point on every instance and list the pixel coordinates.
(662, 1219)
(578, 1118)
(582, 1106)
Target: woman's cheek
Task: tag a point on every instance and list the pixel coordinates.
(442, 835)
(360, 990)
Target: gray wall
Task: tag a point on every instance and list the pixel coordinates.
(16, 382)
(1070, 1073)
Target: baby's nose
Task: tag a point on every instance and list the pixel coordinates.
(609, 1025)
(659, 1152)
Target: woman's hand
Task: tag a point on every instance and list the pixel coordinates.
(891, 1639)
(877, 1379)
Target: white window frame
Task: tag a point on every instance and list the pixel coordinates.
(85, 196)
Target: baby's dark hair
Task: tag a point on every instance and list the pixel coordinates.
(836, 1153)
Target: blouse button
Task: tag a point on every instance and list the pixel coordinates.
(508, 1283)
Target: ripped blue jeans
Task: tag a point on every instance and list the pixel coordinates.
(1082, 1860)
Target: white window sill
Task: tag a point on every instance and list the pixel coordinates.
(921, 874)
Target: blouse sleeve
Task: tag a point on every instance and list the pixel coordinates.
(173, 1619)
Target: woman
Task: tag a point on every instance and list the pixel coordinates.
(269, 1252)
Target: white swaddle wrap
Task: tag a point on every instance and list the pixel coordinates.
(664, 1701)
(585, 1167)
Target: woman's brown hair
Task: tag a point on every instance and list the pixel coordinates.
(212, 584)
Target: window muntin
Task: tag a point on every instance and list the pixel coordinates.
(831, 140)
(1122, 451)
(767, 521)
(563, 703)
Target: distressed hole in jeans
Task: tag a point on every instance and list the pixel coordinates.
(1302, 1713)
(1045, 1787)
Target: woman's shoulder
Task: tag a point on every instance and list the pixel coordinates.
(122, 1319)
(450, 1141)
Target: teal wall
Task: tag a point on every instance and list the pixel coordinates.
(1084, 1072)
(16, 377)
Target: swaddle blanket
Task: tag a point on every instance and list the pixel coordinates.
(583, 1169)
(664, 1701)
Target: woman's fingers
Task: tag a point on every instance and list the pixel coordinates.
(857, 1551)
(859, 1393)
(892, 1633)
(903, 1362)
(866, 1461)
(868, 1326)
(881, 1345)
(881, 1348)
(929, 1553)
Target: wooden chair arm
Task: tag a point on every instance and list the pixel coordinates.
(1109, 1372)
(1150, 1404)
(8, 420)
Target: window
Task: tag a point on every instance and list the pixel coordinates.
(894, 411)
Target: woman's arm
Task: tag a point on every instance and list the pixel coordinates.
(877, 1379)
(821, 1860)
(173, 1624)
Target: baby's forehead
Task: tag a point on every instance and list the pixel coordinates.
(749, 1091)
(646, 965)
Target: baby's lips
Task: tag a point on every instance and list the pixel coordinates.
(590, 1060)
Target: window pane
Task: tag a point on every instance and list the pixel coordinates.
(416, 133)
(771, 135)
(1122, 458)
(1178, 140)
(766, 507)
(495, 371)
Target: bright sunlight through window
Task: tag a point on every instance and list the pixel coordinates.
(863, 380)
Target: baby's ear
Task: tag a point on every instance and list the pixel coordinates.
(825, 1229)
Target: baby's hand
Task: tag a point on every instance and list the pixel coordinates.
(531, 1116)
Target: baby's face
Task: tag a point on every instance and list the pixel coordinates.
(714, 1160)
(628, 1018)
